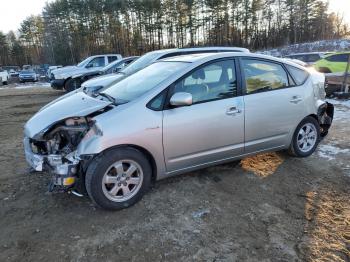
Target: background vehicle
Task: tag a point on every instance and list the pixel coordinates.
(309, 58)
(333, 63)
(4, 76)
(28, 76)
(114, 67)
(13, 73)
(161, 121)
(59, 77)
(50, 69)
(149, 58)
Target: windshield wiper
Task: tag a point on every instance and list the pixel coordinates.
(110, 98)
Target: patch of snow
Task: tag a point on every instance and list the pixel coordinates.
(26, 85)
(200, 213)
(330, 152)
(337, 45)
(342, 109)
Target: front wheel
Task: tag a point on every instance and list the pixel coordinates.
(305, 138)
(71, 85)
(118, 178)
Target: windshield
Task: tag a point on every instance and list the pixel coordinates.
(84, 62)
(144, 80)
(110, 65)
(27, 72)
(140, 63)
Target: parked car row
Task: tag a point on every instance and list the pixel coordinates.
(174, 111)
(324, 62)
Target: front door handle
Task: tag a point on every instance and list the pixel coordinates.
(233, 110)
(296, 99)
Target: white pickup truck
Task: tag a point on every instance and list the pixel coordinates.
(61, 78)
(4, 76)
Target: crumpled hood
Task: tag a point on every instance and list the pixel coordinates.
(103, 81)
(77, 105)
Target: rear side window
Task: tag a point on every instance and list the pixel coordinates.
(112, 58)
(338, 58)
(261, 76)
(298, 75)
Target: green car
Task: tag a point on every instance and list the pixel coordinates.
(333, 63)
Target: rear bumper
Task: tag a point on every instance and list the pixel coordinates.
(57, 83)
(325, 117)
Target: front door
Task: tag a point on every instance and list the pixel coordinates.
(212, 128)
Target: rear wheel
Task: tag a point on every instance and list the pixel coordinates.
(305, 138)
(118, 178)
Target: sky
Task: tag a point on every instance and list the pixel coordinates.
(13, 12)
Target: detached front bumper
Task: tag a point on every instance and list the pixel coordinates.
(57, 83)
(34, 160)
(63, 172)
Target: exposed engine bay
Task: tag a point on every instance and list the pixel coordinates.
(55, 150)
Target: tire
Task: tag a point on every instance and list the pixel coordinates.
(71, 85)
(5, 83)
(304, 145)
(114, 195)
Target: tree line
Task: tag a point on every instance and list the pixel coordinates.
(69, 30)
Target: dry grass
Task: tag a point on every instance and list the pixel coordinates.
(262, 165)
(328, 227)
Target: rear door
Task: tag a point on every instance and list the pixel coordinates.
(273, 104)
(212, 128)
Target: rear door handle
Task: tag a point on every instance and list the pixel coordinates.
(296, 99)
(233, 110)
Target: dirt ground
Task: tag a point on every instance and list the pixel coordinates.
(266, 208)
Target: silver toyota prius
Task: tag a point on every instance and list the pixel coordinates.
(176, 115)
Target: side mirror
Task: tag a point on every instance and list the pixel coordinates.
(181, 99)
(117, 69)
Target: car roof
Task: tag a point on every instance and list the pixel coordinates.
(198, 49)
(105, 55)
(203, 57)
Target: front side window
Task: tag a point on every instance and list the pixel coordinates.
(96, 62)
(210, 82)
(263, 76)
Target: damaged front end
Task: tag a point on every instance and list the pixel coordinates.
(55, 150)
